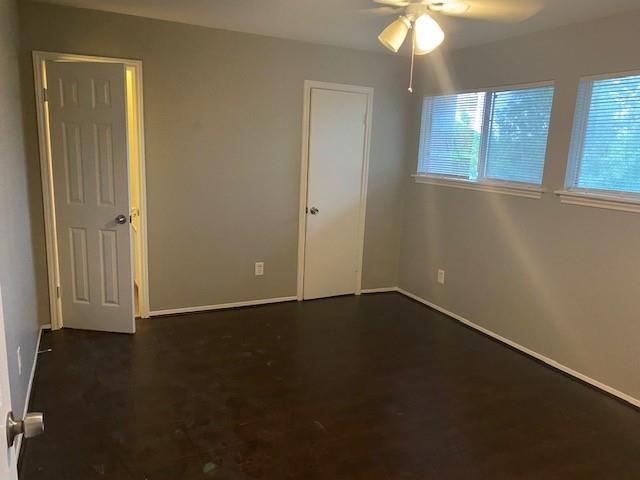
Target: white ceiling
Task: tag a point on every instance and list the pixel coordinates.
(343, 22)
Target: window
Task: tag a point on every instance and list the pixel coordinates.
(450, 135)
(605, 147)
(487, 136)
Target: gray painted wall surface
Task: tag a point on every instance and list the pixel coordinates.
(223, 180)
(17, 270)
(561, 280)
(223, 114)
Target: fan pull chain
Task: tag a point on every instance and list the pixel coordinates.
(413, 54)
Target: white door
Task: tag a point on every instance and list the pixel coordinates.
(333, 242)
(7, 460)
(88, 128)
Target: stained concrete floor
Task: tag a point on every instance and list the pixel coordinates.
(373, 387)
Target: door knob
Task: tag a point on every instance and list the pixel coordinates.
(314, 211)
(121, 219)
(31, 426)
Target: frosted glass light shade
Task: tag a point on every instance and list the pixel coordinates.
(393, 36)
(428, 34)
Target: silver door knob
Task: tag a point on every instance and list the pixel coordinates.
(31, 426)
(314, 211)
(121, 219)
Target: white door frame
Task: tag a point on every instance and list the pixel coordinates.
(53, 270)
(304, 174)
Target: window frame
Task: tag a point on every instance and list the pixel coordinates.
(483, 183)
(592, 197)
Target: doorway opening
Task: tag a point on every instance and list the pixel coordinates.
(133, 264)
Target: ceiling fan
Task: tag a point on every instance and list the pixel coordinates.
(427, 35)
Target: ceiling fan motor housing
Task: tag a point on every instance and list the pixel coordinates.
(414, 10)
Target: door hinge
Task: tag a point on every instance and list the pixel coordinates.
(58, 291)
(45, 95)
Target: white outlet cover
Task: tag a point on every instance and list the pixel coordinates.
(441, 277)
(259, 269)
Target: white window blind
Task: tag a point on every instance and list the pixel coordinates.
(517, 138)
(450, 136)
(605, 147)
(486, 136)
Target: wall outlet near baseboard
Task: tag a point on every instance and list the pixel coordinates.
(259, 269)
(441, 276)
(19, 355)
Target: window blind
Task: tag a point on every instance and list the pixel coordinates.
(450, 134)
(517, 138)
(605, 153)
(486, 136)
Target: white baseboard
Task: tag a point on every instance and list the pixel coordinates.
(221, 306)
(32, 375)
(606, 388)
(364, 291)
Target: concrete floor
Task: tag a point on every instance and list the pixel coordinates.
(372, 387)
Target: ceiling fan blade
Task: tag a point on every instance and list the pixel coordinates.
(381, 11)
(497, 10)
(451, 7)
(393, 3)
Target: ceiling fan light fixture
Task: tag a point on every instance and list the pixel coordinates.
(394, 35)
(428, 35)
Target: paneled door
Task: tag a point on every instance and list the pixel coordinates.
(88, 132)
(337, 128)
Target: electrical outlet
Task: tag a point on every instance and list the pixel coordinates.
(259, 270)
(441, 276)
(19, 354)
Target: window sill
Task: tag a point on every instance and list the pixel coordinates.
(600, 200)
(504, 188)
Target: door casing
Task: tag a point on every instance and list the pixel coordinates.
(53, 272)
(304, 174)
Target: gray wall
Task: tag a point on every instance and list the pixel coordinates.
(223, 114)
(561, 280)
(17, 270)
